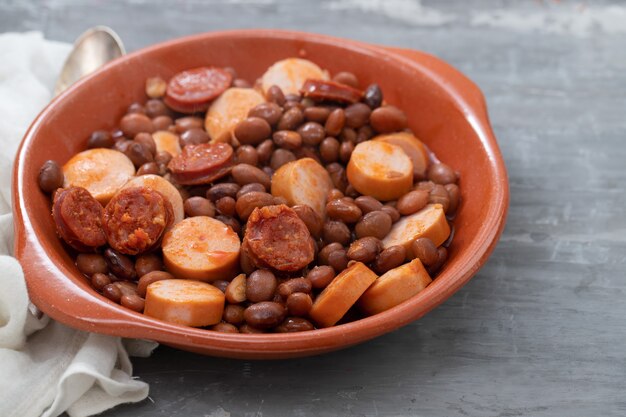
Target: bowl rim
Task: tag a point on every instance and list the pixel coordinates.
(466, 97)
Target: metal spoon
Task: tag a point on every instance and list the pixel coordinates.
(94, 48)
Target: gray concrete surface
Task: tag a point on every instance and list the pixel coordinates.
(541, 329)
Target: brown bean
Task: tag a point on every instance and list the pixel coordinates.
(290, 104)
(275, 95)
(149, 278)
(252, 131)
(120, 265)
(388, 119)
(336, 231)
(236, 290)
(193, 136)
(347, 78)
(392, 212)
(248, 202)
(442, 257)
(348, 135)
(299, 304)
(264, 315)
(291, 119)
(117, 134)
(233, 314)
(368, 204)
(338, 260)
(439, 195)
(224, 189)
(334, 194)
(365, 133)
(425, 250)
(311, 219)
(390, 258)
(149, 168)
(245, 174)
(162, 157)
(133, 302)
(134, 123)
(185, 123)
(373, 96)
(357, 115)
(147, 263)
(343, 210)
(230, 222)
(321, 276)
(155, 108)
(225, 327)
(50, 176)
(138, 154)
(247, 329)
(261, 286)
(329, 150)
(294, 285)
(287, 139)
(317, 114)
(248, 188)
(281, 157)
(247, 154)
(226, 206)
(412, 202)
(375, 223)
(91, 263)
(221, 284)
(270, 112)
(335, 122)
(324, 253)
(294, 324)
(112, 292)
(126, 287)
(345, 151)
(441, 174)
(199, 206)
(100, 139)
(454, 193)
(312, 133)
(99, 281)
(162, 122)
(364, 250)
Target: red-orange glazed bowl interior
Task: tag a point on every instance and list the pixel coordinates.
(444, 108)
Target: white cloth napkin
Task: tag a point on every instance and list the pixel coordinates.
(46, 368)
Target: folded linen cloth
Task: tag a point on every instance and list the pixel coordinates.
(46, 368)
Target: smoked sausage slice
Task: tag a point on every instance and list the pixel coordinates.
(78, 218)
(135, 219)
(191, 91)
(202, 164)
(323, 90)
(277, 238)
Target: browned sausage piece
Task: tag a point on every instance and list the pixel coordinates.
(277, 238)
(135, 219)
(202, 164)
(78, 218)
(330, 91)
(191, 91)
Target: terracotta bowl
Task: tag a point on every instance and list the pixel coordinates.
(446, 110)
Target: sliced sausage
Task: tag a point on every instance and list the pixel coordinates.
(78, 219)
(336, 299)
(201, 248)
(277, 238)
(429, 222)
(394, 287)
(100, 171)
(290, 75)
(135, 219)
(163, 186)
(413, 148)
(202, 164)
(191, 91)
(186, 302)
(167, 141)
(321, 90)
(303, 181)
(228, 110)
(380, 170)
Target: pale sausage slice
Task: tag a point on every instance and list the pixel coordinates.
(429, 222)
(380, 170)
(186, 302)
(201, 248)
(228, 110)
(336, 299)
(394, 287)
(413, 147)
(167, 141)
(100, 171)
(166, 189)
(290, 75)
(303, 182)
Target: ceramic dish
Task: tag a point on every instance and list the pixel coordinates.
(445, 109)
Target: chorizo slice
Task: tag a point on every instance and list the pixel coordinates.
(193, 90)
(321, 90)
(78, 219)
(135, 219)
(228, 110)
(202, 164)
(277, 238)
(290, 75)
(100, 171)
(166, 189)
